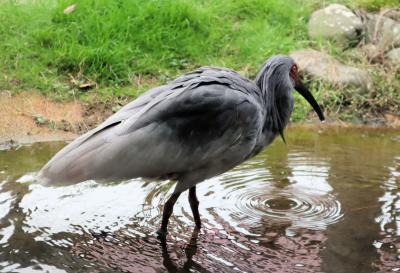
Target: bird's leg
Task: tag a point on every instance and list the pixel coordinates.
(168, 208)
(194, 204)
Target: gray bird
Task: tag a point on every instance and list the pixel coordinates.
(200, 125)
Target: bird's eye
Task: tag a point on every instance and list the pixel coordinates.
(294, 69)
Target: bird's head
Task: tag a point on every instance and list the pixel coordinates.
(278, 77)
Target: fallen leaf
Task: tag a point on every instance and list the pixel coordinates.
(70, 9)
(87, 86)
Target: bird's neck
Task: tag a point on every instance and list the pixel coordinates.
(277, 100)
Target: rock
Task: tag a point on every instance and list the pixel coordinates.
(393, 14)
(324, 67)
(87, 86)
(8, 145)
(394, 56)
(382, 31)
(336, 22)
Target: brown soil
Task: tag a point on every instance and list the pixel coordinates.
(31, 117)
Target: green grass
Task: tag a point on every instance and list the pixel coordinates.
(372, 5)
(116, 43)
(111, 41)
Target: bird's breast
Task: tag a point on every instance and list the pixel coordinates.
(265, 138)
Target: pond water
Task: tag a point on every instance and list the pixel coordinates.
(328, 201)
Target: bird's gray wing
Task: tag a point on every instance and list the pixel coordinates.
(202, 118)
(159, 93)
(123, 114)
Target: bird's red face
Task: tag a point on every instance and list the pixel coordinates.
(294, 74)
(299, 86)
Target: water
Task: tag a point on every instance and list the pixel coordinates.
(328, 201)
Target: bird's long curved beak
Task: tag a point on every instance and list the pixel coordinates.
(309, 97)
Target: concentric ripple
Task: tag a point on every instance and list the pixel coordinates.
(299, 208)
(298, 198)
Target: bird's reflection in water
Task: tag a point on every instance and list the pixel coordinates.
(190, 251)
(123, 253)
(208, 250)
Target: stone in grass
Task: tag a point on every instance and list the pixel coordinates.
(336, 22)
(382, 31)
(8, 145)
(393, 14)
(319, 65)
(394, 56)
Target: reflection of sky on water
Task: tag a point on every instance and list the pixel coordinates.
(388, 243)
(5, 202)
(6, 268)
(389, 220)
(309, 174)
(86, 205)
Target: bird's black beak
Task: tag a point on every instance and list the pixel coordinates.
(309, 97)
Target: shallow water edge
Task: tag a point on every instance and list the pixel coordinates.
(327, 201)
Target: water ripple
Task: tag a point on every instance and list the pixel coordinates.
(300, 208)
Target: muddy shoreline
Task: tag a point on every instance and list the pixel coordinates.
(29, 117)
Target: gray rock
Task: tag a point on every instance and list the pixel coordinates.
(393, 14)
(8, 145)
(324, 67)
(336, 22)
(394, 56)
(382, 31)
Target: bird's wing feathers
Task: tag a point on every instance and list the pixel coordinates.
(204, 115)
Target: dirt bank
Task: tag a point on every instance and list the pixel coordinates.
(30, 117)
